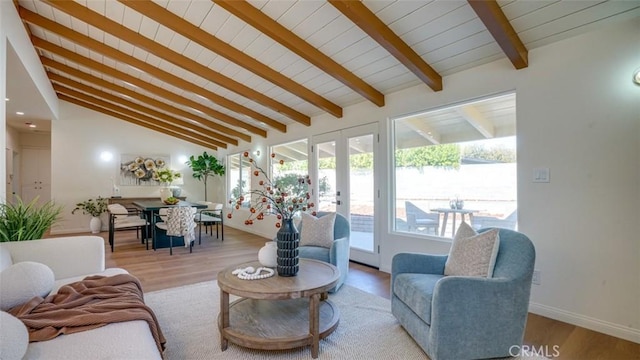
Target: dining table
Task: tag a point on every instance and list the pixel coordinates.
(150, 208)
(454, 211)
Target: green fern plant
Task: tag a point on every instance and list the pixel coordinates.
(20, 221)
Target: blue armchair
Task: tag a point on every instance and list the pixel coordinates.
(457, 317)
(338, 254)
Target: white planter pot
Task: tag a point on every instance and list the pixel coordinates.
(267, 256)
(165, 193)
(95, 225)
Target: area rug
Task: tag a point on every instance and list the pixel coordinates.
(367, 330)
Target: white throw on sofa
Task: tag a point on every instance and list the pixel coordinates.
(70, 259)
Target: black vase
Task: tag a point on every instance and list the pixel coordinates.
(288, 239)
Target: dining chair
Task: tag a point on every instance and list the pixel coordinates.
(208, 217)
(178, 222)
(122, 218)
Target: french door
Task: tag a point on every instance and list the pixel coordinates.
(344, 162)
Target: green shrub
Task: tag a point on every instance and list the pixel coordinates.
(20, 221)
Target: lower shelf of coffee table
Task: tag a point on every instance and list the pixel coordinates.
(277, 324)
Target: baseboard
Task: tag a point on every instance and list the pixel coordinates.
(605, 327)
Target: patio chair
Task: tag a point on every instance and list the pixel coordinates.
(419, 219)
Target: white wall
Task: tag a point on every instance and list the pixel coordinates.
(12, 30)
(578, 114)
(80, 136)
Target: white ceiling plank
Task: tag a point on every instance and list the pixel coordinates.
(273, 9)
(477, 120)
(198, 11)
(440, 25)
(61, 18)
(114, 11)
(443, 39)
(132, 19)
(516, 9)
(342, 41)
(378, 5)
(247, 37)
(296, 16)
(214, 19)
(178, 7)
(179, 43)
(548, 13)
(461, 46)
(192, 50)
(149, 28)
(45, 10)
(401, 9)
(96, 34)
(97, 6)
(576, 20)
(164, 35)
(230, 29)
(330, 32)
(125, 47)
(315, 22)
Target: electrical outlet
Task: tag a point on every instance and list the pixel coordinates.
(536, 277)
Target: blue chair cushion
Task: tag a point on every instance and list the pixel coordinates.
(314, 252)
(416, 291)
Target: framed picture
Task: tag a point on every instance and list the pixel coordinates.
(140, 170)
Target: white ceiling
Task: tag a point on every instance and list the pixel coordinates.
(447, 34)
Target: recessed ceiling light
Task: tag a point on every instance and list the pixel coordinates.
(31, 125)
(19, 113)
(6, 99)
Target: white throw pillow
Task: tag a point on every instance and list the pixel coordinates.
(473, 254)
(14, 337)
(23, 281)
(317, 231)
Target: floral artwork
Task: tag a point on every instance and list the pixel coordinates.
(141, 170)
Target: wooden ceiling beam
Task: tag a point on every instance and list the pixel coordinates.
(366, 20)
(256, 18)
(172, 129)
(72, 84)
(500, 28)
(92, 18)
(91, 44)
(162, 75)
(97, 66)
(134, 121)
(208, 41)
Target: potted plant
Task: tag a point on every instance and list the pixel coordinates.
(20, 221)
(166, 177)
(203, 166)
(94, 208)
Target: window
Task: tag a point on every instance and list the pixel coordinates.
(239, 176)
(289, 159)
(456, 163)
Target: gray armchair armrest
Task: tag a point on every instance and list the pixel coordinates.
(417, 263)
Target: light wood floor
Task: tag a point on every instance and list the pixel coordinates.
(158, 270)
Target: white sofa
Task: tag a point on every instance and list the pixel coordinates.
(72, 259)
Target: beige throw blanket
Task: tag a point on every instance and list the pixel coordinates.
(88, 304)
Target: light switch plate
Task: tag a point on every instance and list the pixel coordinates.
(541, 175)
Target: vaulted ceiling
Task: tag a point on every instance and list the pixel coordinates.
(217, 72)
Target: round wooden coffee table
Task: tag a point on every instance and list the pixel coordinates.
(278, 312)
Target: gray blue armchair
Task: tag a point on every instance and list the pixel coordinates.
(338, 254)
(455, 317)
